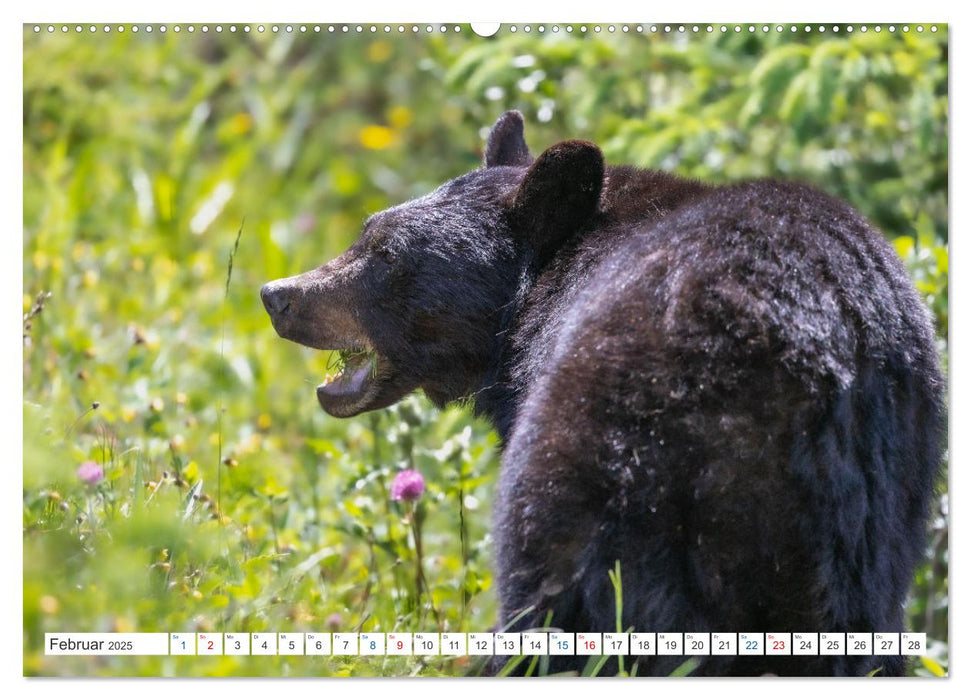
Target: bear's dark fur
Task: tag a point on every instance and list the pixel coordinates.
(731, 391)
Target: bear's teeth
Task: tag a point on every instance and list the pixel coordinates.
(333, 377)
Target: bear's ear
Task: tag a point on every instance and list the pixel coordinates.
(559, 195)
(506, 145)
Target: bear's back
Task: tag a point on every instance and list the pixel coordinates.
(765, 269)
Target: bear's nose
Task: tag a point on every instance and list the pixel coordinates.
(276, 299)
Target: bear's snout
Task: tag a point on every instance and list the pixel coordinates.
(310, 312)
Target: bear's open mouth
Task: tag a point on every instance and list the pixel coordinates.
(352, 374)
(350, 371)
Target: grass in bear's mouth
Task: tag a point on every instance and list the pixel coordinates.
(341, 360)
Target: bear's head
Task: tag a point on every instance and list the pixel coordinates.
(424, 296)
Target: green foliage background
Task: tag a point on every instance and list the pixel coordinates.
(230, 501)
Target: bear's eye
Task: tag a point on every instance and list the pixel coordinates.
(385, 254)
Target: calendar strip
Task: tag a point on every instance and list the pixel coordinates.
(486, 644)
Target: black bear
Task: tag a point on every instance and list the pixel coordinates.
(733, 392)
